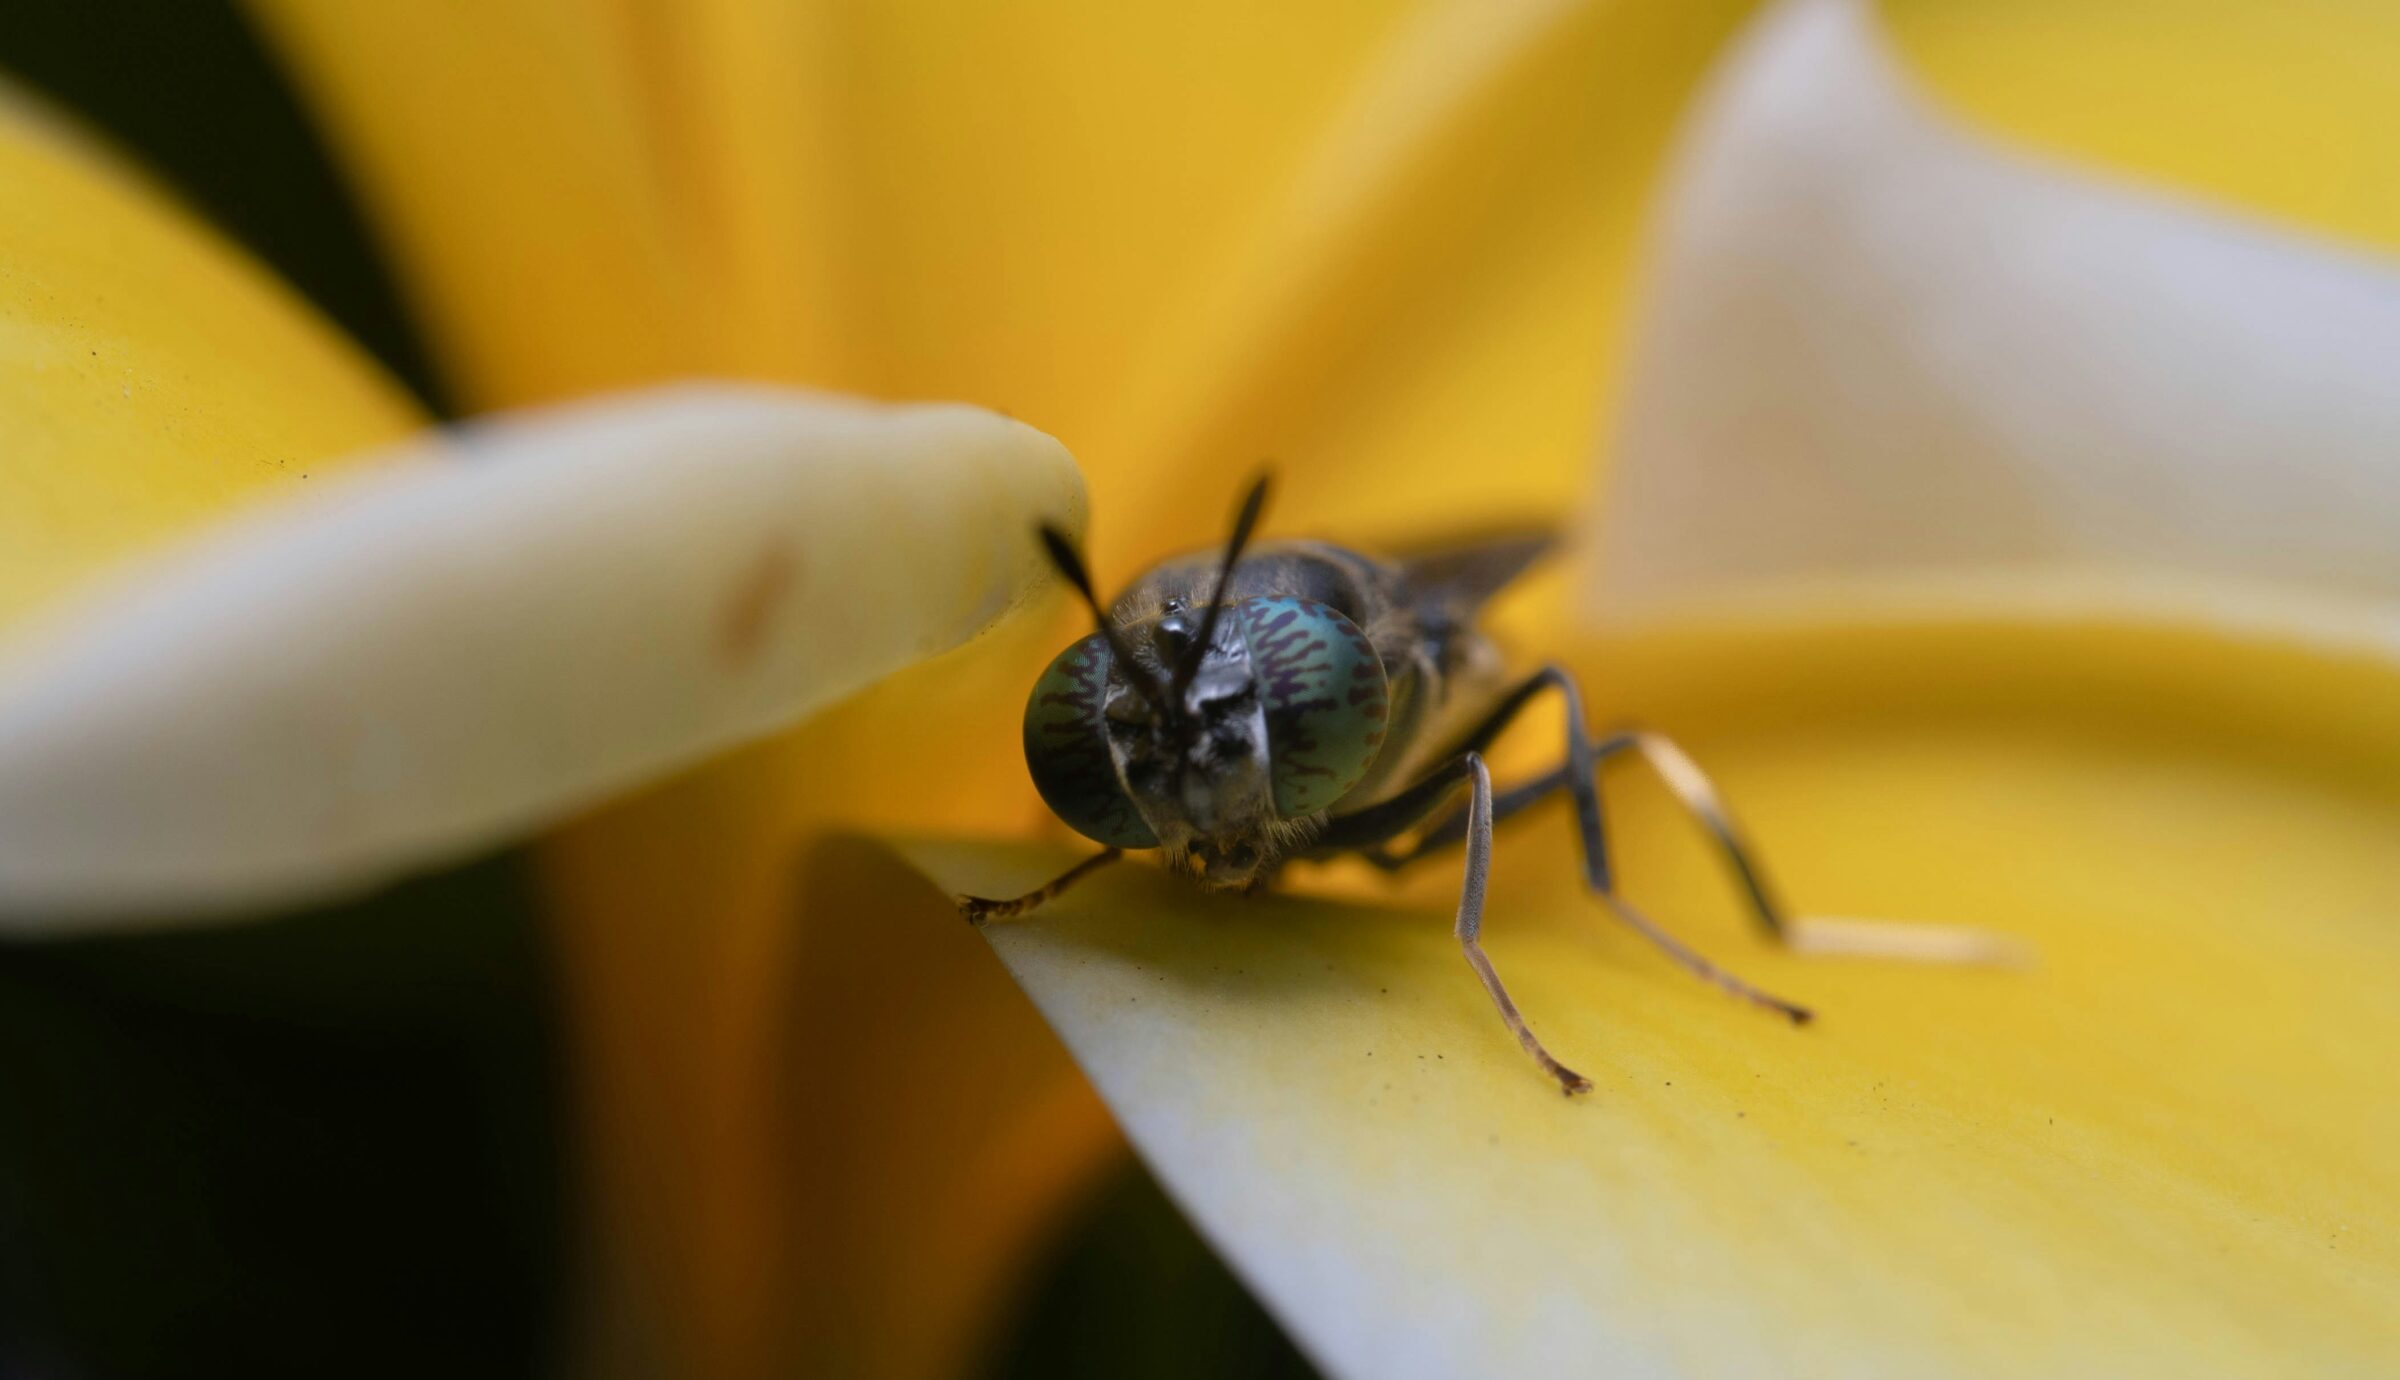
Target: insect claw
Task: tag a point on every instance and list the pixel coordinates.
(977, 909)
(1569, 1081)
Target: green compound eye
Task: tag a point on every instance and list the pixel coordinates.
(1066, 749)
(1325, 698)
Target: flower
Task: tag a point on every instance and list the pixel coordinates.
(1175, 273)
(1938, 523)
(1391, 244)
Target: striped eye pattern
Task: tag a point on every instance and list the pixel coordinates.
(1066, 749)
(1325, 696)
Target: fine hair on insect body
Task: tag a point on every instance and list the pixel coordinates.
(1251, 705)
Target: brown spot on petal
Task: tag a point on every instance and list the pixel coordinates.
(750, 605)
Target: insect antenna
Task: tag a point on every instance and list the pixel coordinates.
(1070, 565)
(1252, 505)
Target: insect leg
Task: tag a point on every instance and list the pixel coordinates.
(1579, 776)
(1404, 812)
(1370, 842)
(1918, 943)
(1583, 758)
(1699, 796)
(1470, 930)
(1369, 831)
(1453, 831)
(978, 909)
(1470, 924)
(1914, 942)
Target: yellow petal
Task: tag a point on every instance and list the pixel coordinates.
(962, 201)
(1371, 242)
(828, 1147)
(150, 375)
(2141, 1155)
(925, 203)
(483, 630)
(507, 160)
(1424, 320)
(1038, 208)
(2278, 109)
(2163, 1150)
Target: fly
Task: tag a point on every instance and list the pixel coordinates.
(1300, 700)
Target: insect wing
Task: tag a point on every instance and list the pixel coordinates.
(1455, 580)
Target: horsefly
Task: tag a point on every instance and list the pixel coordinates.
(1240, 709)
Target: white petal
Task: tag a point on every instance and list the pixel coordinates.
(442, 653)
(1886, 366)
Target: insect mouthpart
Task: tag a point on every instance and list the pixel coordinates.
(1225, 865)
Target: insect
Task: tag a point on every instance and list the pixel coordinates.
(1300, 700)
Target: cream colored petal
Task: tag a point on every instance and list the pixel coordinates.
(1887, 365)
(491, 628)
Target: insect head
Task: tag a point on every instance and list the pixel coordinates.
(1221, 733)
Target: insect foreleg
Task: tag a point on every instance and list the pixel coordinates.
(1470, 924)
(1451, 832)
(1368, 831)
(1478, 780)
(978, 909)
(1583, 759)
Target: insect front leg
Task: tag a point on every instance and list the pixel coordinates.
(1407, 810)
(1470, 925)
(978, 909)
(1452, 832)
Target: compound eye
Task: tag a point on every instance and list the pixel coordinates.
(1066, 749)
(1324, 695)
